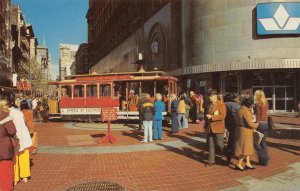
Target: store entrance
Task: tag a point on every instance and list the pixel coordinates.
(280, 98)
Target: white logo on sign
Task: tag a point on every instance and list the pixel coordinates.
(281, 21)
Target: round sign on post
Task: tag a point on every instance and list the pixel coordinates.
(109, 114)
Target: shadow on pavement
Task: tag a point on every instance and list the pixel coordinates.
(134, 134)
(285, 134)
(285, 147)
(201, 156)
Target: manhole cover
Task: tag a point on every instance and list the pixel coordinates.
(97, 186)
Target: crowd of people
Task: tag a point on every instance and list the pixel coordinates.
(242, 120)
(18, 139)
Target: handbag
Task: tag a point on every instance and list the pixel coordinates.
(257, 136)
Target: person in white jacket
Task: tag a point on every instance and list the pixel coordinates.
(22, 164)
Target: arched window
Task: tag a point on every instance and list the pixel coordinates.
(157, 48)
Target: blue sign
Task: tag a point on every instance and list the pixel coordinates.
(278, 18)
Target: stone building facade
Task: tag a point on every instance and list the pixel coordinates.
(67, 54)
(5, 43)
(81, 63)
(205, 43)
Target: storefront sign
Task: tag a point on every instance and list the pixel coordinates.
(80, 111)
(278, 18)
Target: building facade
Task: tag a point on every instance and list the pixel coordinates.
(67, 54)
(5, 44)
(81, 64)
(206, 44)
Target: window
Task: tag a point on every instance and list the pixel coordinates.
(91, 91)
(105, 90)
(65, 91)
(78, 91)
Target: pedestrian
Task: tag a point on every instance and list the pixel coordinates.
(261, 108)
(193, 110)
(45, 112)
(7, 131)
(147, 111)
(187, 102)
(174, 113)
(244, 134)
(200, 109)
(214, 125)
(159, 108)
(27, 112)
(22, 164)
(182, 120)
(34, 103)
(140, 103)
(232, 108)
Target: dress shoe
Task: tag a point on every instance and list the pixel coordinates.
(249, 167)
(239, 168)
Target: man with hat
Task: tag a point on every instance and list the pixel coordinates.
(215, 114)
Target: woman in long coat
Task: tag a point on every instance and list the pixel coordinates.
(174, 111)
(7, 130)
(244, 135)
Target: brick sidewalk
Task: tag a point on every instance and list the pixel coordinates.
(174, 168)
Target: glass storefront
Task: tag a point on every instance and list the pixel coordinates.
(279, 87)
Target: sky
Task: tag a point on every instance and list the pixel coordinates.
(56, 21)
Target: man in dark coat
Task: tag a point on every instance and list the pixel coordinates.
(232, 107)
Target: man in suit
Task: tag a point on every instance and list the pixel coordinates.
(215, 114)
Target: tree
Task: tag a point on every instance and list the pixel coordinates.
(35, 73)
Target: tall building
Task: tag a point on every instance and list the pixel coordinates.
(67, 54)
(228, 45)
(5, 45)
(81, 60)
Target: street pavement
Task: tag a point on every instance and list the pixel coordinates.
(72, 153)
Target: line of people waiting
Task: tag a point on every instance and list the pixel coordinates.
(217, 114)
(244, 120)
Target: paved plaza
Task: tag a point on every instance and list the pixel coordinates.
(72, 153)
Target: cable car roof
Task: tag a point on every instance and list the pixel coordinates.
(148, 73)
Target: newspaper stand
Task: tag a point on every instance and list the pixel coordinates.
(109, 114)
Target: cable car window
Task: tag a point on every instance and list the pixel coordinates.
(78, 91)
(105, 90)
(91, 90)
(65, 91)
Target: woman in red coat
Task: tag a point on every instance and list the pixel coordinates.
(7, 130)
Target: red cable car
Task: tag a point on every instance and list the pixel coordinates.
(81, 97)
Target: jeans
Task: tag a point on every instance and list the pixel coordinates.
(182, 121)
(147, 130)
(157, 128)
(261, 149)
